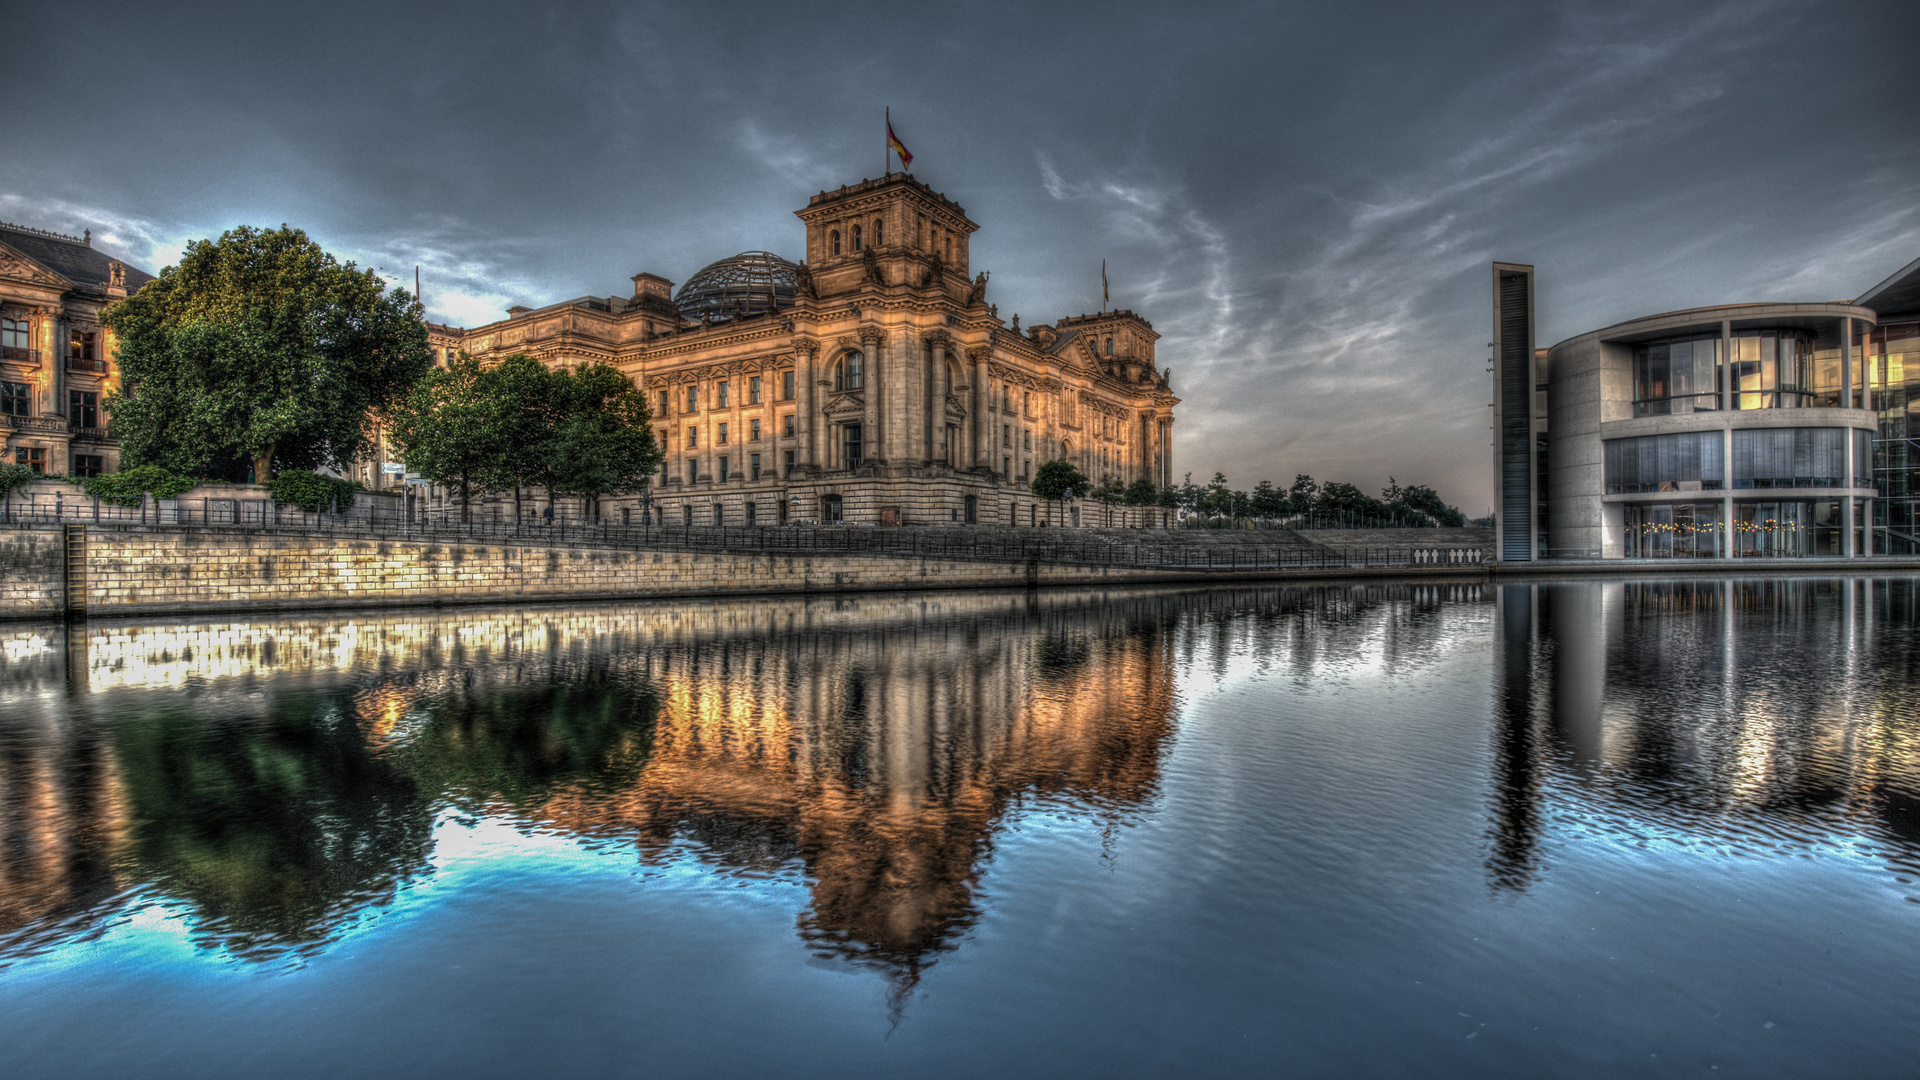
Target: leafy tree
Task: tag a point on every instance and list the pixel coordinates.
(602, 441)
(1217, 498)
(1143, 492)
(260, 349)
(1056, 478)
(1348, 505)
(1421, 503)
(1267, 502)
(454, 427)
(530, 394)
(1303, 495)
(1191, 497)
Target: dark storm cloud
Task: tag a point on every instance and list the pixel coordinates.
(1303, 199)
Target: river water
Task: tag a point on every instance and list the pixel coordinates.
(1596, 828)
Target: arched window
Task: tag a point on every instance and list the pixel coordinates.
(949, 389)
(1109, 346)
(847, 374)
(833, 241)
(879, 232)
(856, 238)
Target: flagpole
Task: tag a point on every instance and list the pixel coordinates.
(886, 155)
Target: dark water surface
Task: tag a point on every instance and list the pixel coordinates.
(1662, 828)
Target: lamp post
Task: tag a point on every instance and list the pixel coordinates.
(646, 512)
(793, 511)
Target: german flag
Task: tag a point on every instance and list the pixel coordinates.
(894, 144)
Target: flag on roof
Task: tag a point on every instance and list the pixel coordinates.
(894, 144)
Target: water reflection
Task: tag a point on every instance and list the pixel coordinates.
(1744, 716)
(274, 779)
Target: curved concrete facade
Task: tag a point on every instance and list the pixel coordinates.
(1592, 400)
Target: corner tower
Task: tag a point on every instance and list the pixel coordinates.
(895, 227)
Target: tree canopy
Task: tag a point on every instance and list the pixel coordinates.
(260, 350)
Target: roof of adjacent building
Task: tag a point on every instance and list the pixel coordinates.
(1898, 295)
(72, 257)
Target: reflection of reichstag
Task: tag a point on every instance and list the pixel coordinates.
(1639, 733)
(872, 744)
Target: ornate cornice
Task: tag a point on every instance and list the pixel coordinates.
(873, 335)
(938, 336)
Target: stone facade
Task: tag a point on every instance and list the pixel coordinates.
(56, 360)
(881, 387)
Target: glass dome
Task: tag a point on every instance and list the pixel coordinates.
(748, 283)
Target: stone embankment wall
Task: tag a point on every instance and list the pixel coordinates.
(136, 571)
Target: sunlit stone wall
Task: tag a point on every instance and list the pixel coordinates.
(134, 572)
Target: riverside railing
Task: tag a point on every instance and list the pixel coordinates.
(1156, 550)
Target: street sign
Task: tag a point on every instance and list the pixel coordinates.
(393, 468)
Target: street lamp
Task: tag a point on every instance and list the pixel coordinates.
(793, 513)
(646, 511)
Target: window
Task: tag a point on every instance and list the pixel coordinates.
(721, 440)
(88, 464)
(16, 338)
(847, 374)
(879, 232)
(786, 384)
(686, 515)
(1026, 439)
(33, 457)
(751, 515)
(1006, 466)
(80, 345)
(724, 470)
(1109, 346)
(83, 409)
(693, 399)
(693, 471)
(1678, 461)
(753, 466)
(663, 403)
(788, 429)
(1673, 377)
(787, 463)
(1026, 403)
(1006, 435)
(720, 396)
(693, 438)
(1026, 468)
(851, 437)
(856, 238)
(753, 390)
(14, 398)
(1006, 398)
(753, 430)
(833, 241)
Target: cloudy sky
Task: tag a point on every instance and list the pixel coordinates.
(1302, 198)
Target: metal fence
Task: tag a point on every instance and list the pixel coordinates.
(1156, 549)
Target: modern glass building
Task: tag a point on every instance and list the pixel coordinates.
(1739, 431)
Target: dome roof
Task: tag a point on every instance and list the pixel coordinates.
(748, 283)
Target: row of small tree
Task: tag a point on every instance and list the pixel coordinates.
(1307, 502)
(584, 432)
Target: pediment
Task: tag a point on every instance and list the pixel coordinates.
(955, 410)
(845, 405)
(20, 267)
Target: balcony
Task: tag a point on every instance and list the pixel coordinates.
(26, 358)
(91, 367)
(90, 434)
(50, 424)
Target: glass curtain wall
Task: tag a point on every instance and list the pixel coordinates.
(1790, 458)
(1682, 461)
(1787, 528)
(1674, 531)
(1675, 377)
(1890, 363)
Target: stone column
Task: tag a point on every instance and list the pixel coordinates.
(982, 444)
(874, 342)
(1726, 488)
(934, 412)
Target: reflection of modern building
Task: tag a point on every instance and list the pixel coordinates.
(1761, 429)
(1704, 709)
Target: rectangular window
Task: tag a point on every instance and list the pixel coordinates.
(720, 398)
(1026, 439)
(1026, 403)
(851, 434)
(1026, 468)
(751, 515)
(693, 438)
(80, 345)
(788, 430)
(663, 403)
(693, 399)
(1006, 467)
(1006, 398)
(33, 457)
(1789, 458)
(1680, 461)
(722, 439)
(1006, 435)
(686, 515)
(786, 384)
(693, 471)
(724, 470)
(16, 336)
(753, 466)
(83, 409)
(753, 429)
(788, 463)
(753, 390)
(14, 398)
(88, 464)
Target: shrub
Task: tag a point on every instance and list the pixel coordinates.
(15, 477)
(125, 488)
(311, 491)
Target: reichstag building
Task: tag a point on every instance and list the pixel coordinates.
(873, 382)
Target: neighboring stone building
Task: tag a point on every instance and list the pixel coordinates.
(872, 383)
(56, 360)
